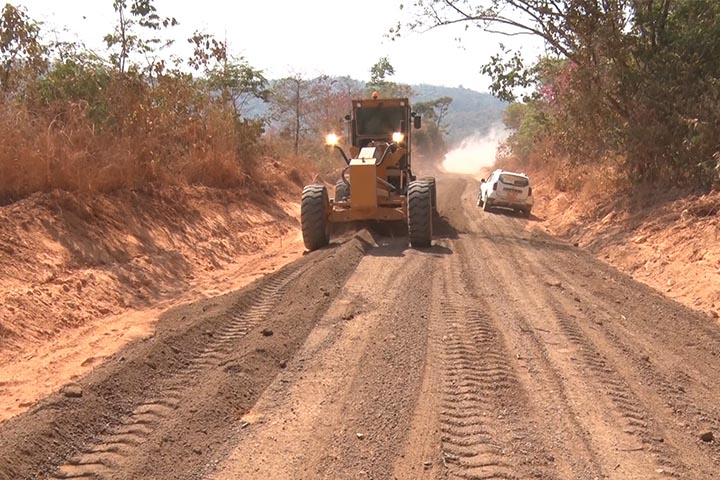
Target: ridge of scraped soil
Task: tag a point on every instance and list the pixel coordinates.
(220, 353)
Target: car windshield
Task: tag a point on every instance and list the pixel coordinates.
(514, 180)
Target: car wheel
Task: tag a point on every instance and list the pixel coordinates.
(486, 205)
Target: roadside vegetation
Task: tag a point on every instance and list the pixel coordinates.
(77, 120)
(626, 94)
(138, 115)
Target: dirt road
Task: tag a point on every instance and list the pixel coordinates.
(497, 353)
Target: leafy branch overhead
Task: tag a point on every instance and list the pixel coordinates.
(634, 80)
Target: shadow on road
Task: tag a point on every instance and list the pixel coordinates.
(437, 250)
(397, 247)
(442, 228)
(507, 212)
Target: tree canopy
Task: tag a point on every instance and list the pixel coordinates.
(629, 78)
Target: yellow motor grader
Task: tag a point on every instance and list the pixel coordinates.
(377, 183)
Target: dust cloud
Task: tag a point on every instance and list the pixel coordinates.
(475, 152)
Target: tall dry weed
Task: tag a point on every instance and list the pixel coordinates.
(171, 133)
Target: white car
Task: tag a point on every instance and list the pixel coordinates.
(506, 189)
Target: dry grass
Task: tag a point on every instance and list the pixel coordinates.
(169, 135)
(594, 185)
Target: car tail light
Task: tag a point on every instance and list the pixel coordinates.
(494, 186)
(529, 191)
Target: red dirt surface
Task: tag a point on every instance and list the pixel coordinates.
(499, 352)
(84, 275)
(666, 241)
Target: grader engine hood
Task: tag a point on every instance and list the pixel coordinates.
(363, 178)
(367, 174)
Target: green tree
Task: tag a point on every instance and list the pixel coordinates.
(130, 35)
(304, 110)
(630, 79)
(435, 111)
(232, 82)
(379, 74)
(332, 97)
(22, 54)
(289, 101)
(380, 71)
(78, 77)
(430, 139)
(236, 81)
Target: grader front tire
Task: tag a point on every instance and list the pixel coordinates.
(419, 205)
(433, 191)
(313, 217)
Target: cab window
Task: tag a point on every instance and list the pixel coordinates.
(514, 180)
(379, 121)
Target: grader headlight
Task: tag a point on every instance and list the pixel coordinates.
(331, 139)
(398, 137)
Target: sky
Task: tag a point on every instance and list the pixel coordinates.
(310, 37)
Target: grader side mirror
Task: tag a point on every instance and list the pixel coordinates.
(417, 121)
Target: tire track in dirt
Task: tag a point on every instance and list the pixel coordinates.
(633, 416)
(695, 409)
(343, 406)
(165, 407)
(109, 452)
(621, 297)
(529, 314)
(382, 397)
(619, 385)
(650, 369)
(488, 430)
(636, 416)
(503, 293)
(572, 450)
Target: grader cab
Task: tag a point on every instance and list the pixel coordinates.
(377, 182)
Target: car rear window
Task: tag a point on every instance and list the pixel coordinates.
(514, 180)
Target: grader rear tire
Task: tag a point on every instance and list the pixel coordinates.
(313, 217)
(419, 201)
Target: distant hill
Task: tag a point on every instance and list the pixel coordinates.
(470, 112)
